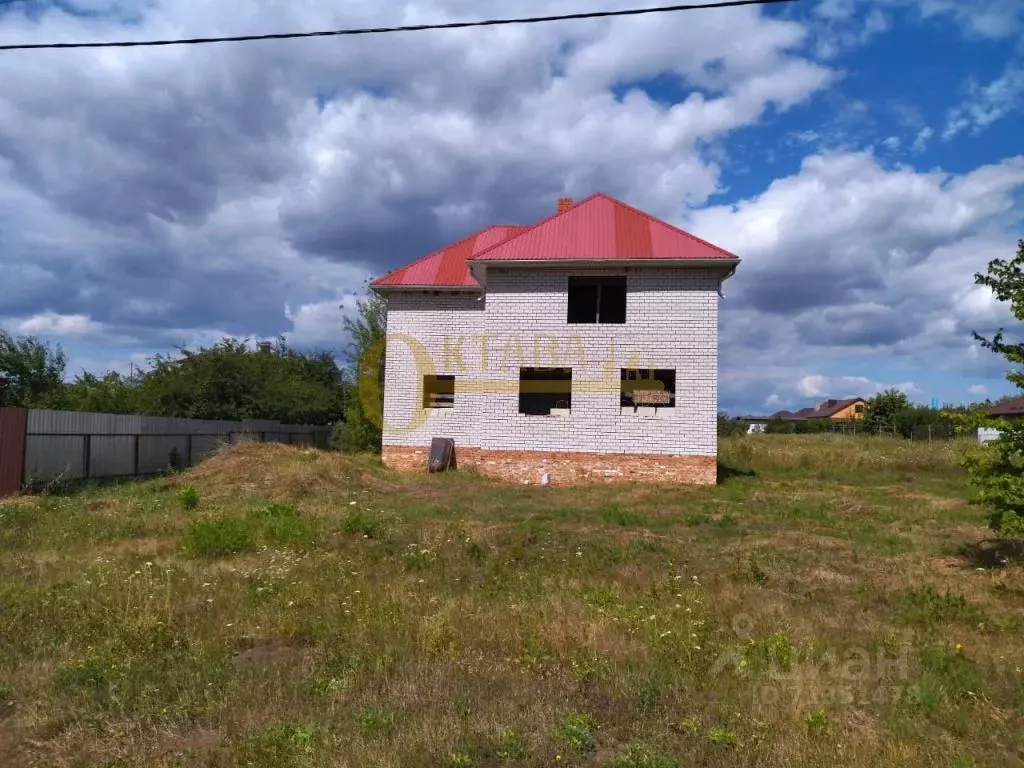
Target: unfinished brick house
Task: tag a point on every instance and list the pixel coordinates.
(583, 348)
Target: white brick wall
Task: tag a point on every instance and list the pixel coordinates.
(671, 322)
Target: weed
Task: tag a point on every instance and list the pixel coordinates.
(282, 524)
(579, 731)
(218, 537)
(923, 696)
(648, 693)
(772, 652)
(955, 675)
(188, 497)
(280, 746)
(419, 559)
(758, 574)
(375, 722)
(691, 725)
(366, 523)
(817, 722)
(615, 515)
(726, 521)
(695, 520)
(512, 746)
(723, 737)
(461, 758)
(586, 666)
(928, 606)
(18, 524)
(638, 756)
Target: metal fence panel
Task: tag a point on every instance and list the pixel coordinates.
(111, 456)
(74, 423)
(157, 452)
(71, 445)
(204, 446)
(48, 457)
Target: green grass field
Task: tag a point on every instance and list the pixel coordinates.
(831, 602)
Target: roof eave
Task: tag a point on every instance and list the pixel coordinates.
(723, 261)
(382, 289)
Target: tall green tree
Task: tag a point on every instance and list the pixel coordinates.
(886, 411)
(364, 407)
(232, 381)
(997, 470)
(32, 370)
(109, 393)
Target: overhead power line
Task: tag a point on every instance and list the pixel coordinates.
(385, 30)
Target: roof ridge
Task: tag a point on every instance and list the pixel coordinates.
(531, 227)
(662, 221)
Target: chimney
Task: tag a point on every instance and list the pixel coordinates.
(564, 204)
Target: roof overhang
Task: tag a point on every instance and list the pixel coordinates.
(467, 289)
(478, 267)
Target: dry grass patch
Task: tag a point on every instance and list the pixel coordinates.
(312, 609)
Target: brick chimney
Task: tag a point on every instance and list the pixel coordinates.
(564, 204)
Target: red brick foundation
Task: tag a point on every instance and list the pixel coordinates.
(566, 468)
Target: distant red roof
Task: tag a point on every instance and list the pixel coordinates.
(821, 411)
(1013, 407)
(596, 229)
(447, 267)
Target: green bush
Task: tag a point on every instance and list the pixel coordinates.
(282, 524)
(730, 427)
(188, 497)
(282, 746)
(579, 732)
(216, 537)
(366, 523)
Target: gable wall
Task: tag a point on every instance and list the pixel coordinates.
(672, 322)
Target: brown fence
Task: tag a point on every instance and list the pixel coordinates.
(13, 423)
(40, 447)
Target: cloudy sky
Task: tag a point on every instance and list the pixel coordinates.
(864, 158)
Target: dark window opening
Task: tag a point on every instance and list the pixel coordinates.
(438, 391)
(648, 386)
(858, 408)
(597, 300)
(541, 389)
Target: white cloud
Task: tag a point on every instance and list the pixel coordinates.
(985, 104)
(983, 18)
(321, 323)
(53, 324)
(847, 260)
(159, 197)
(979, 390)
(246, 178)
(842, 387)
(921, 140)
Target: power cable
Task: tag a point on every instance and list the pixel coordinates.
(385, 30)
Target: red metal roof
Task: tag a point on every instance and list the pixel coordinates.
(597, 228)
(600, 228)
(1013, 407)
(447, 267)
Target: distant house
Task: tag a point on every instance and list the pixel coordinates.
(1009, 409)
(833, 410)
